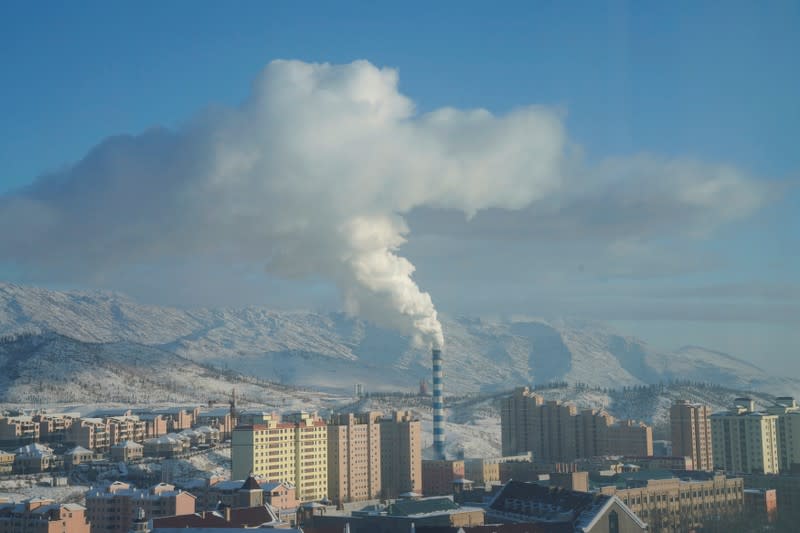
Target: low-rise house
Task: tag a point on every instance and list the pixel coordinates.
(39, 515)
(127, 451)
(76, 456)
(169, 445)
(280, 495)
(34, 458)
(6, 462)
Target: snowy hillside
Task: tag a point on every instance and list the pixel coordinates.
(38, 369)
(334, 351)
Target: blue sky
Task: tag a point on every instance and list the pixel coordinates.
(710, 81)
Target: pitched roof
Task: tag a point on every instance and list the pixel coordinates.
(251, 484)
(240, 517)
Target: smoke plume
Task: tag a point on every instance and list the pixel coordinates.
(311, 176)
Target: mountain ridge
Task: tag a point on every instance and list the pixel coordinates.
(334, 351)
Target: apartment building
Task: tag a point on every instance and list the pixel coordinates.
(627, 437)
(745, 440)
(556, 432)
(53, 426)
(90, 433)
(690, 427)
(401, 454)
(354, 457)
(40, 515)
(112, 509)
(487, 469)
(672, 504)
(788, 414)
(219, 418)
(293, 449)
(18, 430)
(125, 428)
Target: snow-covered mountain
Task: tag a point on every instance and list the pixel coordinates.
(335, 351)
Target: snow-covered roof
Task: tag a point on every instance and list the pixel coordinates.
(35, 450)
(128, 444)
(78, 450)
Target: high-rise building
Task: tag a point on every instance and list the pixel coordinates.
(788, 414)
(555, 432)
(354, 457)
(691, 433)
(293, 449)
(401, 454)
(745, 440)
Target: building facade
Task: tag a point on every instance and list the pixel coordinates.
(438, 476)
(401, 454)
(39, 515)
(745, 440)
(690, 427)
(556, 432)
(674, 504)
(112, 509)
(293, 449)
(354, 457)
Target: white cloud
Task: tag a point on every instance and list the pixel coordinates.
(314, 173)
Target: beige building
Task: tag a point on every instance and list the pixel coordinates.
(76, 456)
(556, 432)
(293, 449)
(125, 428)
(39, 515)
(90, 433)
(745, 440)
(6, 462)
(53, 426)
(354, 457)
(34, 458)
(18, 429)
(691, 433)
(401, 454)
(788, 414)
(674, 504)
(112, 509)
(127, 451)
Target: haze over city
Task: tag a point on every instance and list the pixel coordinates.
(625, 163)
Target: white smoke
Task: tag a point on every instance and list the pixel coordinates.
(312, 176)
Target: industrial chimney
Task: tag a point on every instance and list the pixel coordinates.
(438, 406)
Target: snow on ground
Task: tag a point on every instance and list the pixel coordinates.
(21, 488)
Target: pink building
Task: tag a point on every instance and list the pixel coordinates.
(41, 515)
(112, 509)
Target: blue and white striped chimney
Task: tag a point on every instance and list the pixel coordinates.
(438, 406)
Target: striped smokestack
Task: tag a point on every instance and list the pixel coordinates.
(438, 406)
